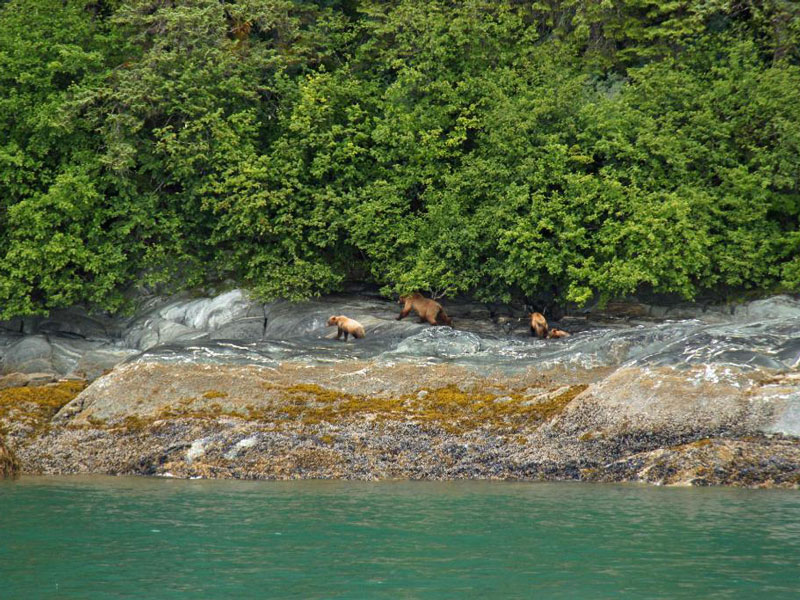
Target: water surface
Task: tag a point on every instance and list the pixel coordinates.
(101, 537)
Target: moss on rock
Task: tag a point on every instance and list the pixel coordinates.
(9, 464)
(33, 407)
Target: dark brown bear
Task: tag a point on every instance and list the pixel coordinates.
(538, 325)
(427, 309)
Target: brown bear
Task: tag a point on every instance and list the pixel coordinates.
(557, 333)
(347, 326)
(427, 309)
(538, 325)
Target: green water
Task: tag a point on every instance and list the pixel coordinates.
(148, 538)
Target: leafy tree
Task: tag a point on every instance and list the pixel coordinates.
(54, 248)
(562, 150)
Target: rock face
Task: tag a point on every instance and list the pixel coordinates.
(71, 342)
(224, 387)
(362, 420)
(9, 465)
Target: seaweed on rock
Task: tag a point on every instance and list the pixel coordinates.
(9, 464)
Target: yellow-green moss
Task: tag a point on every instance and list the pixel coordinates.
(449, 408)
(35, 406)
(301, 391)
(135, 423)
(214, 394)
(701, 443)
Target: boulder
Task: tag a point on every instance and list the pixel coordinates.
(208, 314)
(150, 332)
(13, 380)
(32, 354)
(674, 403)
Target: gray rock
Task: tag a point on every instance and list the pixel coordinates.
(75, 322)
(761, 334)
(95, 362)
(35, 379)
(644, 401)
(442, 342)
(29, 355)
(472, 310)
(15, 326)
(208, 314)
(13, 380)
(245, 328)
(242, 446)
(151, 332)
(228, 316)
(196, 450)
(67, 352)
(776, 307)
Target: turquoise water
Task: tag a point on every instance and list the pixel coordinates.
(148, 538)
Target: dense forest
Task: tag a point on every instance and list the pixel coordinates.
(572, 149)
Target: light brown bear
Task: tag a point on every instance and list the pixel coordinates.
(557, 333)
(427, 309)
(538, 325)
(347, 327)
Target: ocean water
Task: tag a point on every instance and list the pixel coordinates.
(103, 537)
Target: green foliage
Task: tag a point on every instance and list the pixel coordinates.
(706, 158)
(564, 150)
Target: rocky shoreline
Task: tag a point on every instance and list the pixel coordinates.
(410, 412)
(373, 422)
